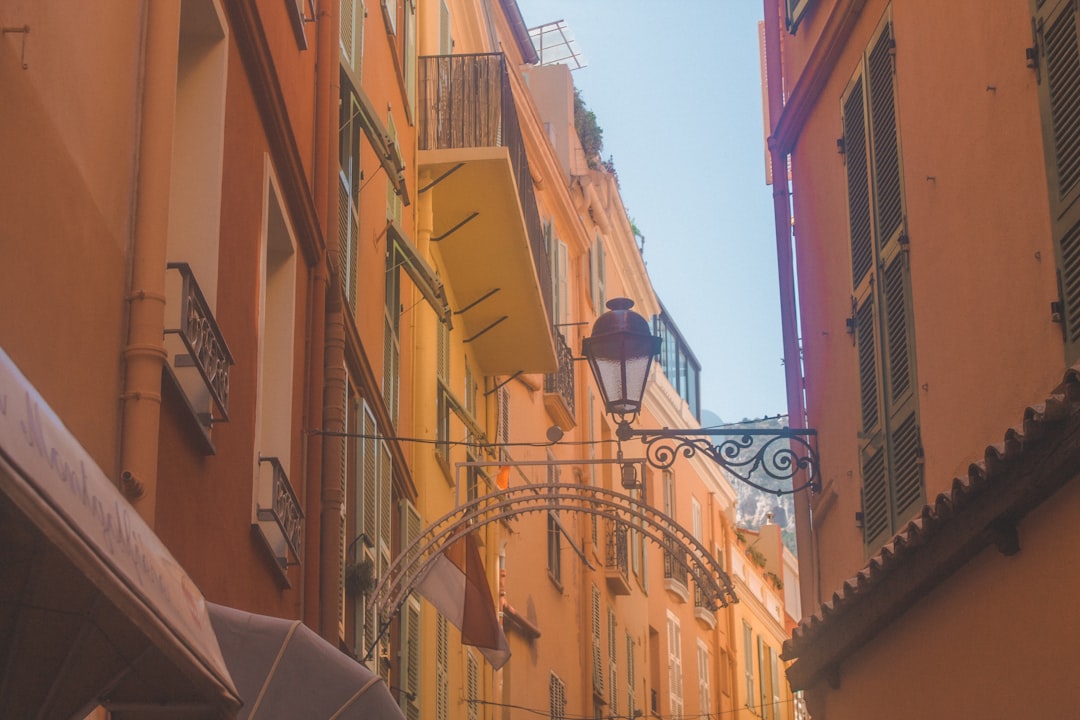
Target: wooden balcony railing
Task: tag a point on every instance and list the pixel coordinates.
(465, 101)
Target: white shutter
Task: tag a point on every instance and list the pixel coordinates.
(597, 662)
(472, 686)
(442, 669)
(704, 684)
(675, 690)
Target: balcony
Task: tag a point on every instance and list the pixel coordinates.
(702, 611)
(487, 235)
(617, 558)
(675, 572)
(559, 386)
(199, 359)
(278, 516)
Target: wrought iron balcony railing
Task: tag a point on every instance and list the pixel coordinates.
(465, 101)
(616, 550)
(675, 561)
(561, 381)
(278, 511)
(191, 319)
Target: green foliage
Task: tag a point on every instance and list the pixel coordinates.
(589, 131)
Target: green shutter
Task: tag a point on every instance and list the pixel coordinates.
(885, 149)
(867, 351)
(858, 183)
(410, 659)
(1059, 99)
(875, 495)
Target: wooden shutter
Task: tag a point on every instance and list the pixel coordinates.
(1059, 100)
(748, 662)
(472, 686)
(386, 479)
(370, 477)
(675, 689)
(442, 668)
(409, 659)
(597, 662)
(856, 159)
(631, 680)
(346, 30)
(557, 698)
(704, 682)
(613, 666)
(885, 146)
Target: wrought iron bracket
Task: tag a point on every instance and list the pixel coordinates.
(746, 453)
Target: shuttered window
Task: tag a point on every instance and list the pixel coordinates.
(597, 661)
(631, 679)
(1056, 25)
(442, 668)
(704, 680)
(409, 658)
(748, 663)
(890, 450)
(675, 688)
(557, 698)
(392, 331)
(613, 665)
(472, 686)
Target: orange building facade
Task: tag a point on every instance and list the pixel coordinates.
(929, 203)
(294, 294)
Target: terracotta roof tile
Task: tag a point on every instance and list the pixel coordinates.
(1040, 422)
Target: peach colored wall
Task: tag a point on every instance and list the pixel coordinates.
(66, 190)
(1001, 622)
(976, 206)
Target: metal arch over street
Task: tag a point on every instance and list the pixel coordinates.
(413, 562)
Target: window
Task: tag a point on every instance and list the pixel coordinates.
(748, 663)
(1059, 90)
(613, 664)
(390, 14)
(697, 525)
(675, 689)
(442, 668)
(349, 194)
(351, 35)
(278, 513)
(704, 680)
(598, 275)
(557, 698)
(393, 200)
(767, 711)
(890, 450)
(392, 329)
(560, 275)
(597, 662)
(472, 686)
(409, 656)
(795, 11)
(631, 677)
(774, 682)
(554, 532)
(446, 45)
(371, 509)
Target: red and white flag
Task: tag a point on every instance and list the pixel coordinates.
(456, 584)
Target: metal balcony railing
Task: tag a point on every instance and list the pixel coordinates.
(675, 561)
(278, 505)
(206, 349)
(616, 548)
(562, 380)
(465, 101)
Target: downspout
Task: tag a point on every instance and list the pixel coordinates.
(334, 379)
(786, 271)
(323, 172)
(144, 354)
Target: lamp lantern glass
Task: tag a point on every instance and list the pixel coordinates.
(620, 352)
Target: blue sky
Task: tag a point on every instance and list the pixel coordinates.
(678, 95)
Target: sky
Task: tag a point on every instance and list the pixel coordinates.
(678, 95)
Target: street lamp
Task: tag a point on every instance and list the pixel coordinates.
(620, 352)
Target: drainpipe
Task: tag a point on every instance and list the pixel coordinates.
(144, 354)
(334, 381)
(786, 270)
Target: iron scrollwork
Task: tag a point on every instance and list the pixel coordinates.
(748, 454)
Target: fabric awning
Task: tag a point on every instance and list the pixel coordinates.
(93, 607)
(284, 670)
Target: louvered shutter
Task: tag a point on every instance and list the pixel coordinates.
(859, 218)
(367, 499)
(410, 659)
(748, 663)
(472, 686)
(442, 668)
(386, 479)
(905, 468)
(346, 30)
(675, 689)
(885, 159)
(631, 680)
(597, 662)
(613, 665)
(1059, 99)
(557, 698)
(343, 543)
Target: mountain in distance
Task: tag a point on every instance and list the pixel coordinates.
(753, 506)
